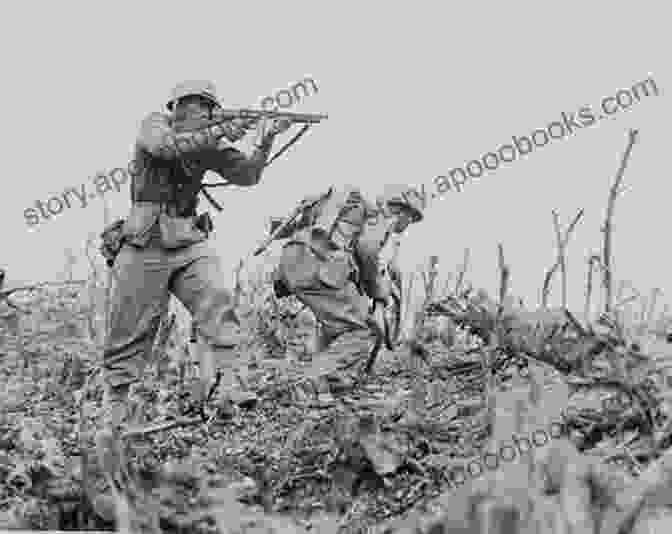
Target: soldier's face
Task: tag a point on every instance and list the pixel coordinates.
(192, 108)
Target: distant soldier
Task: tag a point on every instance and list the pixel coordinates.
(161, 248)
(331, 263)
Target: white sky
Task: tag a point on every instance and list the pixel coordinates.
(412, 90)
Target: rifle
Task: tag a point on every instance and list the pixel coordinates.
(248, 114)
(249, 118)
(292, 217)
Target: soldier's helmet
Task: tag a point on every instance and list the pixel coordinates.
(405, 197)
(202, 88)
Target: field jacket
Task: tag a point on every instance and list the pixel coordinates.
(167, 179)
(344, 224)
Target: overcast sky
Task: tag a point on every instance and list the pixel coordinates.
(412, 91)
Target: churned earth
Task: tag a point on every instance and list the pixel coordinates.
(350, 460)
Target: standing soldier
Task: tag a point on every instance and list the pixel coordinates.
(162, 249)
(334, 249)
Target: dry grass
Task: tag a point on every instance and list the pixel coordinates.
(282, 450)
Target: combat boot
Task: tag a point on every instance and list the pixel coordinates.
(338, 367)
(115, 401)
(219, 391)
(233, 391)
(109, 447)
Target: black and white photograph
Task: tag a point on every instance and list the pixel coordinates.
(340, 268)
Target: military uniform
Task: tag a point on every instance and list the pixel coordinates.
(165, 251)
(332, 253)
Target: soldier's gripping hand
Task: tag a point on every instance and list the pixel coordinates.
(280, 126)
(269, 128)
(238, 128)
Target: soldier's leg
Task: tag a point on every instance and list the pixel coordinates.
(201, 288)
(335, 300)
(348, 328)
(336, 303)
(139, 298)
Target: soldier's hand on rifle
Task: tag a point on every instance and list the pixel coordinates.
(239, 128)
(272, 127)
(279, 126)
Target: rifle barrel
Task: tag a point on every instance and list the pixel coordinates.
(246, 113)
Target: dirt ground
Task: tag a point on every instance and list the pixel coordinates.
(354, 460)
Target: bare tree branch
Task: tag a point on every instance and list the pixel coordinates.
(560, 261)
(561, 258)
(607, 229)
(593, 260)
(463, 270)
(162, 427)
(504, 276)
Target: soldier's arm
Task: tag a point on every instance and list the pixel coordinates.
(158, 137)
(376, 231)
(304, 220)
(301, 222)
(373, 252)
(209, 146)
(237, 167)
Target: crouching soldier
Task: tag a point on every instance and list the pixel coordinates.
(330, 262)
(162, 245)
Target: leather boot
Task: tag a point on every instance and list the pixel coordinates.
(218, 385)
(115, 400)
(109, 453)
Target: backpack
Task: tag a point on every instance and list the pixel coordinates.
(339, 218)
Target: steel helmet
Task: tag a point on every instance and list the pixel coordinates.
(202, 88)
(405, 197)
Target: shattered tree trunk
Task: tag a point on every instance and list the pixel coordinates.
(607, 229)
(531, 334)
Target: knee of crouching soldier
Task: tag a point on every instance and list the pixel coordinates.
(216, 307)
(292, 272)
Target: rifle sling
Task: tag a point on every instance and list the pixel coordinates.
(288, 144)
(211, 199)
(285, 147)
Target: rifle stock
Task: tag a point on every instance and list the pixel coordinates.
(266, 242)
(304, 205)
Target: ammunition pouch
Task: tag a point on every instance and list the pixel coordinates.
(112, 239)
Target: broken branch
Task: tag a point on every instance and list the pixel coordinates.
(607, 229)
(463, 270)
(560, 260)
(161, 427)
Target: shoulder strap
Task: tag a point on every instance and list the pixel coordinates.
(288, 144)
(225, 182)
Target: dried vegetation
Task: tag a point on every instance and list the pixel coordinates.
(473, 371)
